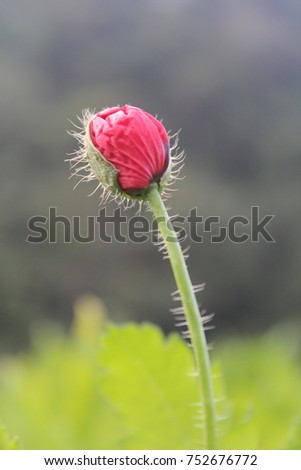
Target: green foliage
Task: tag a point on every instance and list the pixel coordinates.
(230, 81)
(133, 389)
(147, 378)
(263, 382)
(137, 393)
(52, 399)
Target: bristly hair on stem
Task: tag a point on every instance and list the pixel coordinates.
(189, 317)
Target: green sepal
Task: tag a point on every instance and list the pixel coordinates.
(103, 170)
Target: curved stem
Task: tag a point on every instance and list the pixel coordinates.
(191, 311)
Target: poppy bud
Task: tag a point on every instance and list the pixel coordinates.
(126, 149)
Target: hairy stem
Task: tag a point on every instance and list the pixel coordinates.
(191, 311)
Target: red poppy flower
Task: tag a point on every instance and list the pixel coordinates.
(134, 142)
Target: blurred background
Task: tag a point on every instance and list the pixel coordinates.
(228, 74)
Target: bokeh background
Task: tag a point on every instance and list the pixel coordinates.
(227, 73)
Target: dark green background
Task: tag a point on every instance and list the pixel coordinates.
(228, 74)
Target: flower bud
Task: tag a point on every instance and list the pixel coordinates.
(126, 149)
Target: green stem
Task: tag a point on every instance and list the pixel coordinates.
(191, 311)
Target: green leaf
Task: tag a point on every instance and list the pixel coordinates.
(147, 379)
(139, 395)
